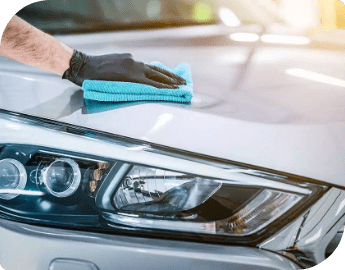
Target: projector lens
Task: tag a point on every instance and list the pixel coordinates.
(12, 177)
(62, 177)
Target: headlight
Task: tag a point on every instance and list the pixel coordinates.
(61, 178)
(114, 184)
(161, 199)
(12, 177)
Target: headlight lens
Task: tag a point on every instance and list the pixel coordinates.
(160, 199)
(12, 177)
(60, 178)
(113, 187)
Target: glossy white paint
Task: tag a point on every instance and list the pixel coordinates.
(312, 232)
(263, 117)
(325, 219)
(107, 251)
(14, 130)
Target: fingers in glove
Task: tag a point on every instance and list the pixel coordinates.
(160, 77)
(169, 74)
(158, 84)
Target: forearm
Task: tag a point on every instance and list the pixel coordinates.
(26, 44)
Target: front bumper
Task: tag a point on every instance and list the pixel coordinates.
(39, 248)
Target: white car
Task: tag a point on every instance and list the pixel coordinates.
(249, 175)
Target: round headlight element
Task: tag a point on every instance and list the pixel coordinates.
(12, 177)
(62, 177)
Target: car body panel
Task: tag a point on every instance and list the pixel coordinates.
(121, 252)
(246, 107)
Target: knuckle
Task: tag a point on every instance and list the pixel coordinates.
(129, 61)
(127, 55)
(141, 64)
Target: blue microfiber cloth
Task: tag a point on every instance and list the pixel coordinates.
(127, 91)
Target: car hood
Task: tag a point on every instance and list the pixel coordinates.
(281, 108)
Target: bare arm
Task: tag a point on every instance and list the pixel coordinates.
(26, 44)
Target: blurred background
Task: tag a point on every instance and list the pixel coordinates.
(273, 61)
(325, 17)
(320, 20)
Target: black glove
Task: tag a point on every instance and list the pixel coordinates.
(118, 67)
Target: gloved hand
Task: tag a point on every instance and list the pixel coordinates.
(118, 67)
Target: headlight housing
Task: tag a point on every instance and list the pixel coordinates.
(107, 183)
(159, 199)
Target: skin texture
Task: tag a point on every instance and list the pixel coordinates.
(28, 45)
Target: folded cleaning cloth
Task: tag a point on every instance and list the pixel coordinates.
(127, 91)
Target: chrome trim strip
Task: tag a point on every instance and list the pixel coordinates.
(69, 156)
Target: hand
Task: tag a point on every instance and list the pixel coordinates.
(119, 67)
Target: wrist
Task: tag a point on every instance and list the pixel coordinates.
(58, 54)
(75, 63)
(64, 59)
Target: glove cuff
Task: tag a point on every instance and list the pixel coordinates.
(77, 60)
